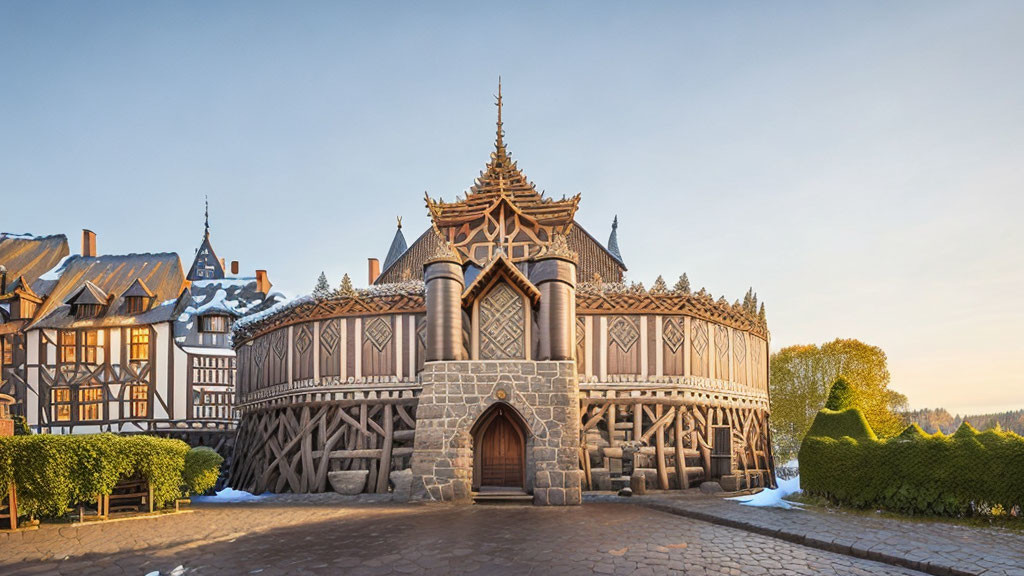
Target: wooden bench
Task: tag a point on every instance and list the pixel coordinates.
(129, 495)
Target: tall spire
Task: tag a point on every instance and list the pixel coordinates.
(499, 143)
(398, 247)
(206, 266)
(613, 240)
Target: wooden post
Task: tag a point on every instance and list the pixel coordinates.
(149, 498)
(611, 419)
(638, 422)
(12, 505)
(659, 439)
(681, 478)
(385, 456)
(705, 449)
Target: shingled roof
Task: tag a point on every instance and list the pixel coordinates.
(503, 181)
(113, 276)
(29, 257)
(398, 247)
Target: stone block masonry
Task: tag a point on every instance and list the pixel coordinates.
(545, 395)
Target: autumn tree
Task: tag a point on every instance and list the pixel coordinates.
(802, 375)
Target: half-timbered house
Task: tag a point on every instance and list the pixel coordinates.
(502, 350)
(23, 260)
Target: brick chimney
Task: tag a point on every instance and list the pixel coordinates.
(374, 269)
(262, 282)
(88, 243)
(234, 267)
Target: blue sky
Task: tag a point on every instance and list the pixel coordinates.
(859, 164)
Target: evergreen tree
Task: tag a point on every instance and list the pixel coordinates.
(345, 288)
(322, 289)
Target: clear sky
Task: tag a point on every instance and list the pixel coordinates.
(860, 164)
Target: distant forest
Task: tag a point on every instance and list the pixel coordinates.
(933, 420)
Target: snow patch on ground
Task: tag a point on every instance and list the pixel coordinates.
(768, 498)
(229, 495)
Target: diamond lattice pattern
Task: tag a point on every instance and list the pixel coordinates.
(624, 332)
(673, 334)
(502, 324)
(378, 333)
(330, 334)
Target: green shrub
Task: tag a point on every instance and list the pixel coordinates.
(850, 422)
(202, 467)
(913, 473)
(840, 396)
(54, 472)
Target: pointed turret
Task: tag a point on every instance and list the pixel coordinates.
(613, 240)
(206, 266)
(398, 247)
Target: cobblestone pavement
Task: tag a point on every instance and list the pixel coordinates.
(931, 546)
(282, 536)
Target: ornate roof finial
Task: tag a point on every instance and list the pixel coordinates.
(613, 240)
(206, 232)
(399, 222)
(499, 143)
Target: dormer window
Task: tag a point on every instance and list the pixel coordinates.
(87, 302)
(137, 298)
(86, 311)
(134, 304)
(216, 323)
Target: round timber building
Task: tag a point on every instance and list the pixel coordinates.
(502, 351)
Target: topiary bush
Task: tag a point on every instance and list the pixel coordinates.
(912, 473)
(54, 472)
(837, 424)
(840, 396)
(202, 468)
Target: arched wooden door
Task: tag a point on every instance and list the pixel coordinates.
(501, 454)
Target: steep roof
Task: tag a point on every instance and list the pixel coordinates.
(113, 275)
(613, 240)
(502, 181)
(30, 256)
(500, 265)
(206, 266)
(398, 247)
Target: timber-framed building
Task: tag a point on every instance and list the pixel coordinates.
(123, 343)
(502, 350)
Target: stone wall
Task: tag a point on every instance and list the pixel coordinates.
(456, 394)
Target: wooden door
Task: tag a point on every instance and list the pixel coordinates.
(501, 453)
(721, 452)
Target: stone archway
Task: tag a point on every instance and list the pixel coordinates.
(499, 449)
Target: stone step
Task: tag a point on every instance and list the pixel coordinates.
(502, 497)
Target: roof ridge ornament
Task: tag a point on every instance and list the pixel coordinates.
(559, 248)
(499, 143)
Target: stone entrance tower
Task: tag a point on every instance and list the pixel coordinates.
(500, 408)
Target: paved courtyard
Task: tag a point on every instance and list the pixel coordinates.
(332, 536)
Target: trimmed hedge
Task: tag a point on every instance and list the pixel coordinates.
(837, 424)
(913, 473)
(202, 468)
(55, 472)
